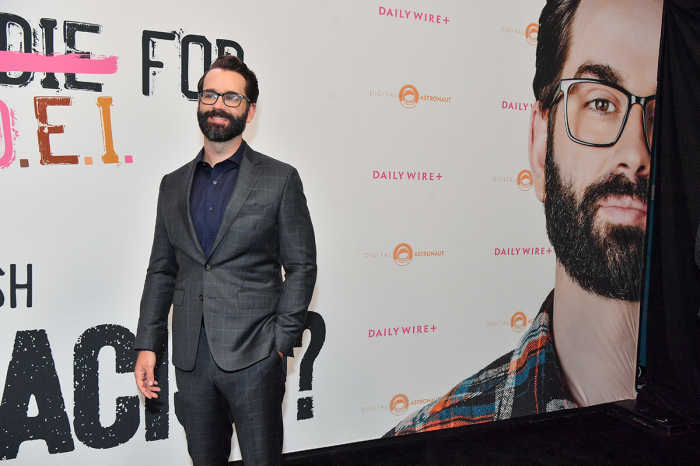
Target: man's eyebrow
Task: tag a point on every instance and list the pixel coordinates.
(599, 71)
(221, 93)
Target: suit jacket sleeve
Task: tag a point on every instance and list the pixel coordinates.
(298, 255)
(159, 287)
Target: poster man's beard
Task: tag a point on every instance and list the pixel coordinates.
(221, 133)
(605, 259)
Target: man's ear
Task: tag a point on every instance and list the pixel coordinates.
(251, 112)
(537, 147)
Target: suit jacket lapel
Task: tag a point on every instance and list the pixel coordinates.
(184, 208)
(248, 174)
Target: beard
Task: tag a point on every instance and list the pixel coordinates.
(602, 258)
(221, 133)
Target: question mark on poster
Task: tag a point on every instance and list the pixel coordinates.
(317, 327)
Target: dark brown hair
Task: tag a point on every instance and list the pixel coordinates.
(233, 63)
(553, 43)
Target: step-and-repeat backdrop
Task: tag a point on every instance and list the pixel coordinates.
(408, 123)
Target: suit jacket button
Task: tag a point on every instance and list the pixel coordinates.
(208, 268)
(201, 298)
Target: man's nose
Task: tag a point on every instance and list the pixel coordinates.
(631, 151)
(219, 104)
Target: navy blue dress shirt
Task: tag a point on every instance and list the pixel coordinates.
(211, 191)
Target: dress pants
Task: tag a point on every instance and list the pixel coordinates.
(210, 400)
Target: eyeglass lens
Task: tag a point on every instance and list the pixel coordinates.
(596, 113)
(230, 99)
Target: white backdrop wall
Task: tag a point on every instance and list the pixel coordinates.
(441, 176)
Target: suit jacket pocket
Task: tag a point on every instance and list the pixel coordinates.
(255, 208)
(178, 297)
(258, 301)
(255, 223)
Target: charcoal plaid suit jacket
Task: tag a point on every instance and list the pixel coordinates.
(238, 290)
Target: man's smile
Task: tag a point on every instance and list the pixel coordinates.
(218, 120)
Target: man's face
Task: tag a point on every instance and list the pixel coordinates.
(595, 198)
(218, 122)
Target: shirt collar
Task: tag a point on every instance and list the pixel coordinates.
(236, 158)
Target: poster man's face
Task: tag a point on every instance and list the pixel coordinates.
(595, 197)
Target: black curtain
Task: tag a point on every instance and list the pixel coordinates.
(673, 324)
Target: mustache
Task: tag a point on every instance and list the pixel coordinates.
(217, 113)
(616, 185)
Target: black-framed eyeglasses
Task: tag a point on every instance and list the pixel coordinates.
(596, 111)
(231, 99)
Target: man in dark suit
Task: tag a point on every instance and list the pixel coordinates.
(227, 223)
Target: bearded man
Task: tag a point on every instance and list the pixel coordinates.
(226, 225)
(589, 147)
